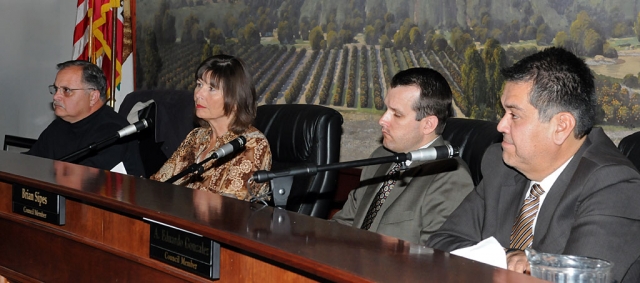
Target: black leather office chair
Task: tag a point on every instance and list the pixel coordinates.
(16, 143)
(300, 134)
(472, 137)
(173, 118)
(630, 147)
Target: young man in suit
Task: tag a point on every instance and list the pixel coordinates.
(585, 192)
(412, 203)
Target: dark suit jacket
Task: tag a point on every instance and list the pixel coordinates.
(591, 210)
(422, 198)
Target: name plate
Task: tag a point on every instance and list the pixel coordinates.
(185, 250)
(38, 204)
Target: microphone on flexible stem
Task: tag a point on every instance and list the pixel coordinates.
(224, 150)
(425, 154)
(282, 180)
(433, 153)
(128, 130)
(135, 127)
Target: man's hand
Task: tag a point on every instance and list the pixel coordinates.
(517, 261)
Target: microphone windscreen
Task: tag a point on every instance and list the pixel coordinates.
(230, 147)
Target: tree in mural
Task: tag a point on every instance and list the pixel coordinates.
(249, 35)
(316, 38)
(189, 29)
(168, 34)
(636, 27)
(494, 58)
(152, 61)
(439, 43)
(207, 51)
(305, 27)
(158, 20)
(370, 35)
(401, 38)
(543, 35)
(385, 42)
(346, 36)
(389, 27)
(230, 25)
(416, 38)
(285, 33)
(460, 40)
(333, 41)
(216, 36)
(562, 39)
(474, 83)
(584, 39)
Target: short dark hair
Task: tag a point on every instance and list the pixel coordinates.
(92, 75)
(237, 87)
(561, 82)
(435, 94)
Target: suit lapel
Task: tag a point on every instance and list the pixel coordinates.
(560, 191)
(512, 196)
(404, 179)
(370, 193)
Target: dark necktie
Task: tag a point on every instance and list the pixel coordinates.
(521, 233)
(380, 197)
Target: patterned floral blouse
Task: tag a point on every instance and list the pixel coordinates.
(226, 176)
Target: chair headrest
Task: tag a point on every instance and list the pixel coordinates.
(472, 137)
(295, 130)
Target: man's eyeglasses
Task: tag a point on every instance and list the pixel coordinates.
(65, 90)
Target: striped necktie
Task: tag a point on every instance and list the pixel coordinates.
(380, 197)
(521, 233)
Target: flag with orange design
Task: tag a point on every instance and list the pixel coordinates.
(102, 37)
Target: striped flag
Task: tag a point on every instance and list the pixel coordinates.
(93, 37)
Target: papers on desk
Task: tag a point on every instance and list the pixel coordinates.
(488, 251)
(119, 169)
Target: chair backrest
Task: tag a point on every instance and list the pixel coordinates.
(472, 137)
(301, 134)
(16, 143)
(630, 147)
(174, 119)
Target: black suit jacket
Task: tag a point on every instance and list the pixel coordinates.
(591, 210)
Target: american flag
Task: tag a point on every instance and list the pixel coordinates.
(93, 37)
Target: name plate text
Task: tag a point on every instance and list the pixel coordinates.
(185, 250)
(38, 204)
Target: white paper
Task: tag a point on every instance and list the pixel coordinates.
(119, 169)
(488, 251)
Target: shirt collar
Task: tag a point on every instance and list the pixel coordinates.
(548, 181)
(408, 162)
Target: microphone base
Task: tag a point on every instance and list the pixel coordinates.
(281, 188)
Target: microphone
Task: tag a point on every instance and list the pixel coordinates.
(230, 147)
(224, 150)
(433, 153)
(425, 154)
(135, 127)
(282, 180)
(128, 130)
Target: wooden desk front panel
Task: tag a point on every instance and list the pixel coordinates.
(258, 243)
(100, 244)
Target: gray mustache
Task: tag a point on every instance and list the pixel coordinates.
(55, 104)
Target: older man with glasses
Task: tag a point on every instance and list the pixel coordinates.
(83, 119)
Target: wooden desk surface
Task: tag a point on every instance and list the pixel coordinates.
(316, 248)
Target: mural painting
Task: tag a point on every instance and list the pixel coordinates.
(342, 54)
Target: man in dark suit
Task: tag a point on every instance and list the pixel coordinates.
(423, 193)
(590, 192)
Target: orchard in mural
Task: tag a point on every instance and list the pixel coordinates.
(342, 54)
